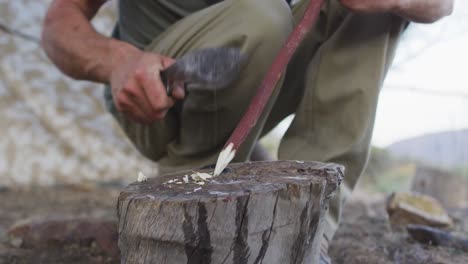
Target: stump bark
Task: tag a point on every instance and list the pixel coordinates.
(260, 212)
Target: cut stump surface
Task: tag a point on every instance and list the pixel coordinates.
(261, 212)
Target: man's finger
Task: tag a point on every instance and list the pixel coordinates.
(136, 94)
(178, 92)
(154, 90)
(166, 62)
(128, 107)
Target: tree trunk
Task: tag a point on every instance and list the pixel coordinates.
(261, 212)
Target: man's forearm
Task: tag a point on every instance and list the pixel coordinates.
(424, 11)
(79, 51)
(75, 47)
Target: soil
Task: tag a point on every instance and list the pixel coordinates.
(79, 201)
(365, 235)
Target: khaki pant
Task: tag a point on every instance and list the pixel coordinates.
(332, 83)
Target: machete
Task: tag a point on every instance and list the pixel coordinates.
(210, 68)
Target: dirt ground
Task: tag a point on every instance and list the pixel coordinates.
(79, 201)
(364, 236)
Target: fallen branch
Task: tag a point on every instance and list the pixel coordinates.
(19, 34)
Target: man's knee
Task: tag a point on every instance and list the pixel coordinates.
(271, 20)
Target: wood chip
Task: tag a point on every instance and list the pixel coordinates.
(141, 177)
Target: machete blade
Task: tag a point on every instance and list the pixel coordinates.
(210, 68)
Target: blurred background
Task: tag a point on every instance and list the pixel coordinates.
(61, 152)
(56, 130)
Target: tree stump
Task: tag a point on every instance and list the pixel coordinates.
(259, 212)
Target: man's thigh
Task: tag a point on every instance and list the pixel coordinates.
(196, 129)
(348, 59)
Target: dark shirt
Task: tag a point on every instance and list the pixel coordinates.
(141, 21)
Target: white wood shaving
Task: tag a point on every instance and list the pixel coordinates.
(206, 176)
(141, 177)
(201, 176)
(197, 189)
(196, 177)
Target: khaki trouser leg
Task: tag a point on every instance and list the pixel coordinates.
(195, 130)
(343, 76)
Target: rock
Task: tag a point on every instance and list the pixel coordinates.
(410, 208)
(450, 189)
(36, 233)
(4, 189)
(460, 219)
(437, 237)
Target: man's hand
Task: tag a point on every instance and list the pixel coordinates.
(137, 88)
(370, 6)
(71, 42)
(420, 11)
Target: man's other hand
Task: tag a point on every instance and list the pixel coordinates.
(370, 6)
(419, 11)
(137, 88)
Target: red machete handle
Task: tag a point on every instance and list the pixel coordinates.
(273, 75)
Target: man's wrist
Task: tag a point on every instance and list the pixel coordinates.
(398, 7)
(118, 52)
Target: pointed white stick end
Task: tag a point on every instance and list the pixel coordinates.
(224, 158)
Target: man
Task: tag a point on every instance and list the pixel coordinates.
(332, 83)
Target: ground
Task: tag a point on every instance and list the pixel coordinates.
(364, 236)
(80, 201)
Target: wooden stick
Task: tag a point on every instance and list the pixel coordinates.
(267, 86)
